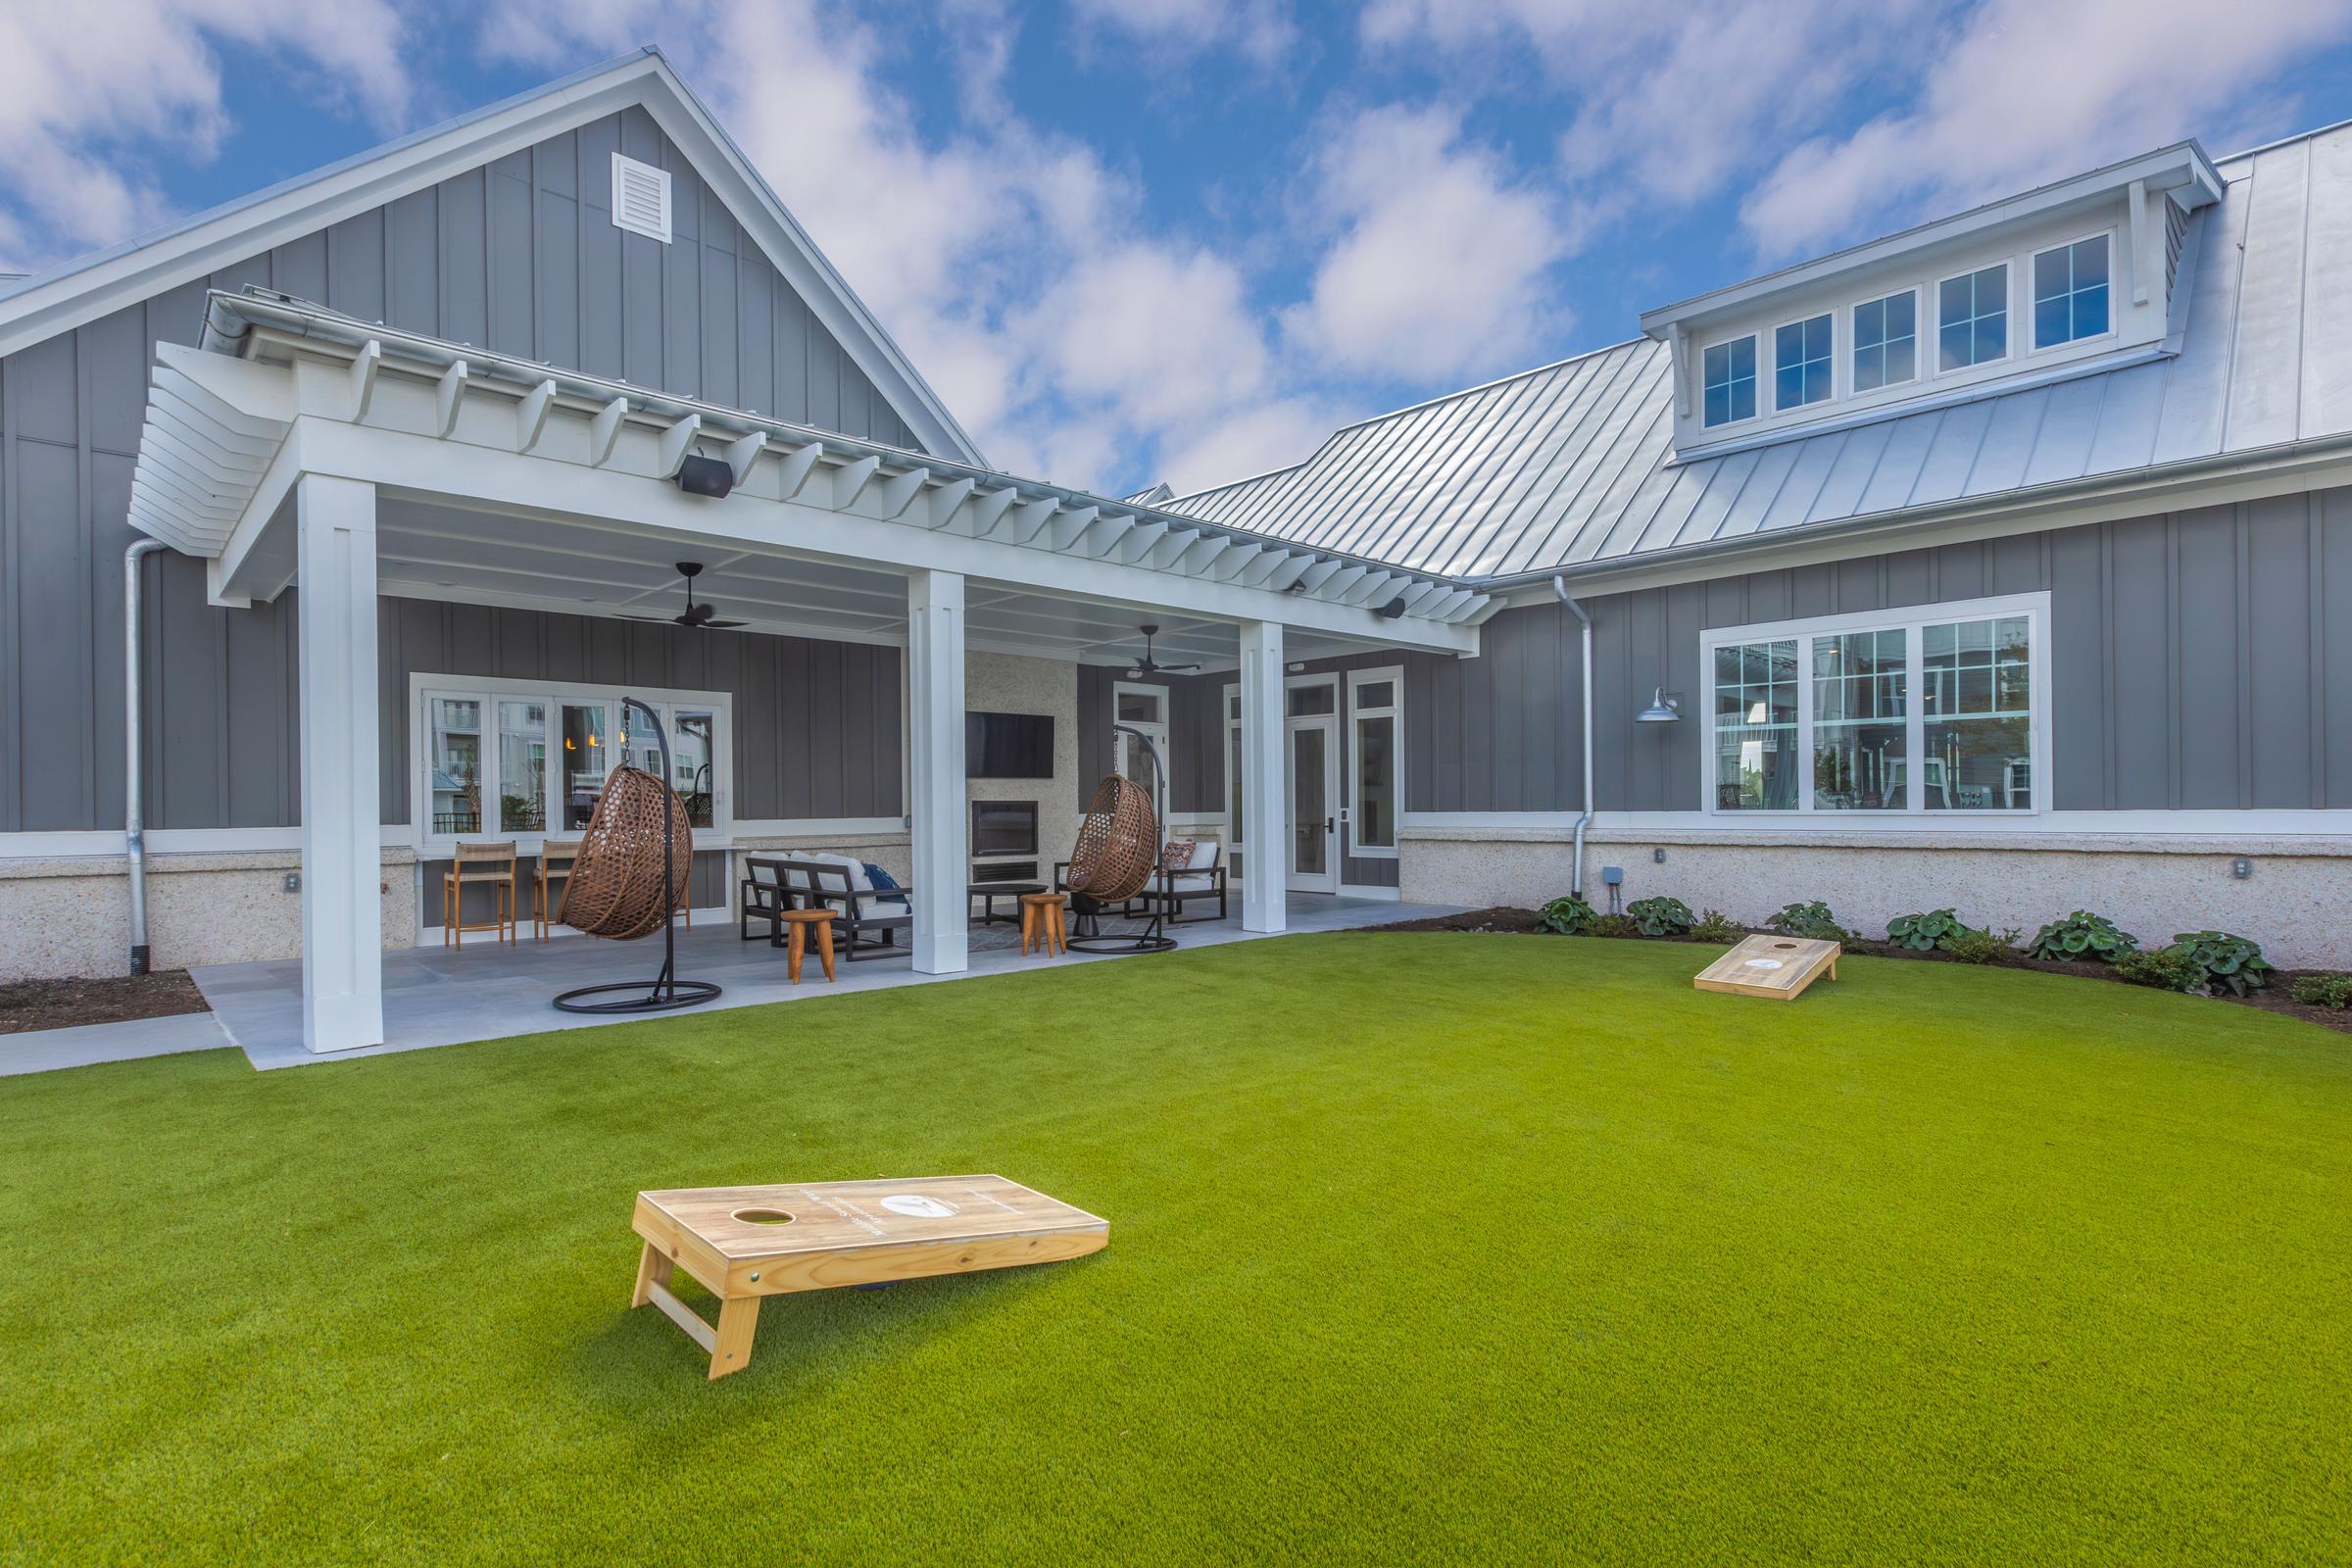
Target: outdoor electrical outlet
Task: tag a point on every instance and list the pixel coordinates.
(293, 881)
(2241, 868)
(1657, 857)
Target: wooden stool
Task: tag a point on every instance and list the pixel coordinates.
(744, 1242)
(494, 867)
(1041, 923)
(796, 944)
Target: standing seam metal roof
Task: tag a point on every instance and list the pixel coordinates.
(1571, 464)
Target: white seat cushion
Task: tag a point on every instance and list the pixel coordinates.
(1204, 856)
(1184, 880)
(847, 862)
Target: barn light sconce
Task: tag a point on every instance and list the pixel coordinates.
(1662, 708)
(699, 475)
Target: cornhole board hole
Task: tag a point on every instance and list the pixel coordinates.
(744, 1243)
(1771, 966)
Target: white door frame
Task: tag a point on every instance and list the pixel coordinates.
(1161, 734)
(1296, 880)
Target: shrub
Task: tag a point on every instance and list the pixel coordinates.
(2165, 969)
(1615, 925)
(1925, 933)
(1569, 916)
(1812, 920)
(1982, 947)
(1717, 926)
(2324, 990)
(1660, 917)
(2084, 936)
(2226, 963)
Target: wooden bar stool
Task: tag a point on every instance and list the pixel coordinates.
(1041, 923)
(490, 865)
(554, 869)
(795, 936)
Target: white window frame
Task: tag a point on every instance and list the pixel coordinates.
(1163, 732)
(2114, 315)
(2009, 350)
(1395, 713)
(1921, 340)
(423, 688)
(1229, 726)
(1836, 391)
(1911, 619)
(1762, 380)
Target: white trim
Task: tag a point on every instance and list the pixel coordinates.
(1229, 735)
(2035, 607)
(1758, 376)
(1918, 319)
(2331, 822)
(1384, 895)
(1355, 785)
(491, 691)
(2115, 314)
(2009, 349)
(1334, 837)
(1163, 731)
(1264, 906)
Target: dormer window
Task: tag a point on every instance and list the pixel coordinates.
(1800, 363)
(1730, 382)
(1973, 318)
(1885, 341)
(2070, 292)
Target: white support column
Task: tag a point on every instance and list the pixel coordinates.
(935, 770)
(342, 843)
(1266, 816)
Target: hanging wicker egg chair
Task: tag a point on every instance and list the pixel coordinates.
(1119, 842)
(615, 885)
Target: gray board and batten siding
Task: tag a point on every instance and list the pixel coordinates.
(519, 255)
(2200, 661)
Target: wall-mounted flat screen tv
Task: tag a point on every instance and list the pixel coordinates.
(1009, 745)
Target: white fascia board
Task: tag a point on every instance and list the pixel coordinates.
(427, 469)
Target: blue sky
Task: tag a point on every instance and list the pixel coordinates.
(1183, 240)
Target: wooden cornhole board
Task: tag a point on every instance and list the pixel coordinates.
(744, 1242)
(1771, 966)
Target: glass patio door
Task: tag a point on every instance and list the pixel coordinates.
(1312, 765)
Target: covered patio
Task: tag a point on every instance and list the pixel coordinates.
(298, 448)
(434, 995)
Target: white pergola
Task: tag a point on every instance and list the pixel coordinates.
(299, 445)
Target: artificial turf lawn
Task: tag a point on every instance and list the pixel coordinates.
(1423, 1248)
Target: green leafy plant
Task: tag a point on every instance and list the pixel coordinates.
(1982, 947)
(2165, 969)
(1925, 933)
(1813, 920)
(2323, 990)
(2083, 936)
(1568, 918)
(1660, 917)
(1615, 925)
(1717, 926)
(2226, 962)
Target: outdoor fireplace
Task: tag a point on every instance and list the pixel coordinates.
(1004, 827)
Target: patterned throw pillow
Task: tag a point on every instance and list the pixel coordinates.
(1177, 855)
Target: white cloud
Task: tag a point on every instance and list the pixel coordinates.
(1260, 31)
(1440, 264)
(2029, 90)
(84, 87)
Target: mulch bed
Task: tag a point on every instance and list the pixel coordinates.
(1505, 922)
(29, 1005)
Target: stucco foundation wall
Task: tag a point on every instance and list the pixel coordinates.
(2297, 903)
(72, 916)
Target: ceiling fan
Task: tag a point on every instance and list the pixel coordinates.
(1148, 666)
(697, 617)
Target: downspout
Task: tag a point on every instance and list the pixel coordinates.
(1576, 876)
(134, 828)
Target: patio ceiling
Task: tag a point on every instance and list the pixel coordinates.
(432, 549)
(512, 483)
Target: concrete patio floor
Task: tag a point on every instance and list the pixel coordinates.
(487, 990)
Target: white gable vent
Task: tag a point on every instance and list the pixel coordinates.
(640, 198)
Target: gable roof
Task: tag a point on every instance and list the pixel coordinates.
(1571, 467)
(56, 301)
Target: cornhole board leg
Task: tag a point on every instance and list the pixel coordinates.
(729, 1346)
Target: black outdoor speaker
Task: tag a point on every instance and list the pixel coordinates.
(1393, 608)
(699, 475)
